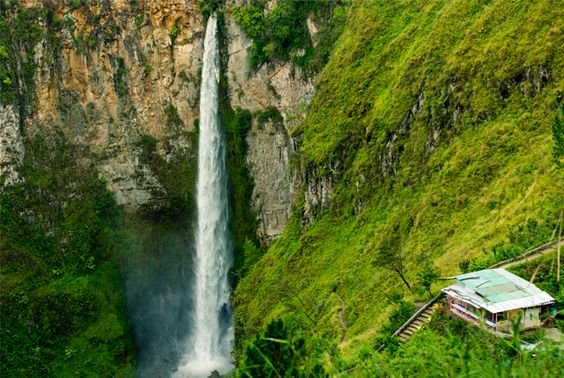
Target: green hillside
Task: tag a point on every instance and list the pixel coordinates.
(432, 120)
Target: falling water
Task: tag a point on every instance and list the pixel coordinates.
(211, 341)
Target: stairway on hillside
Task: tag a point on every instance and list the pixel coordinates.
(415, 323)
(424, 314)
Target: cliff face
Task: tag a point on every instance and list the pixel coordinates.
(126, 72)
(277, 95)
(122, 71)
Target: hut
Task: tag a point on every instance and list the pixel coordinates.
(493, 297)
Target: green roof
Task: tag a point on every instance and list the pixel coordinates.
(497, 290)
(493, 286)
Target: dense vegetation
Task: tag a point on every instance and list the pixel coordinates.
(446, 347)
(433, 126)
(19, 32)
(282, 34)
(450, 347)
(61, 300)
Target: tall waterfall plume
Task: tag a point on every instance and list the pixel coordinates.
(212, 337)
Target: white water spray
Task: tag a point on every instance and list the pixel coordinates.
(211, 342)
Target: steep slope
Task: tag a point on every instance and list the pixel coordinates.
(428, 143)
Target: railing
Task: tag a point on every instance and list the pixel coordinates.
(530, 252)
(465, 311)
(419, 312)
(490, 323)
(414, 316)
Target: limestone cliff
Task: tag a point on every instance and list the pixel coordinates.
(123, 71)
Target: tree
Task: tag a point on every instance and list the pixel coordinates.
(427, 276)
(207, 7)
(390, 254)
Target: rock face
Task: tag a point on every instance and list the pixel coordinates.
(128, 72)
(11, 145)
(124, 72)
(277, 88)
(268, 157)
(317, 195)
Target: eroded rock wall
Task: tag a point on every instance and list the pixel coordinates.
(278, 88)
(12, 148)
(122, 73)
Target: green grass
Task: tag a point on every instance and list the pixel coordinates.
(450, 347)
(461, 177)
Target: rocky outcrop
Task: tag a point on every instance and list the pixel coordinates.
(317, 196)
(268, 157)
(275, 87)
(389, 157)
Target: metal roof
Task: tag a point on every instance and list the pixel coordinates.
(497, 290)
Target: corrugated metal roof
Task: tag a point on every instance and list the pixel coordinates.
(497, 290)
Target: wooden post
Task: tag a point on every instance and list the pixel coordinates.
(551, 239)
(558, 240)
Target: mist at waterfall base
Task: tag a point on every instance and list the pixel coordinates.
(159, 301)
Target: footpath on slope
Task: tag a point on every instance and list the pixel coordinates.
(415, 322)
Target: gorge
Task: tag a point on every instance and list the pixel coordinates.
(270, 188)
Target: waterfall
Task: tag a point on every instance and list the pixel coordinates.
(210, 344)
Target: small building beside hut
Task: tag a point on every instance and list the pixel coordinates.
(495, 296)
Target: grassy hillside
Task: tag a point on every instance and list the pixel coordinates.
(432, 120)
(450, 347)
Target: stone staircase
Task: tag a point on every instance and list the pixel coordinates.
(416, 324)
(413, 324)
